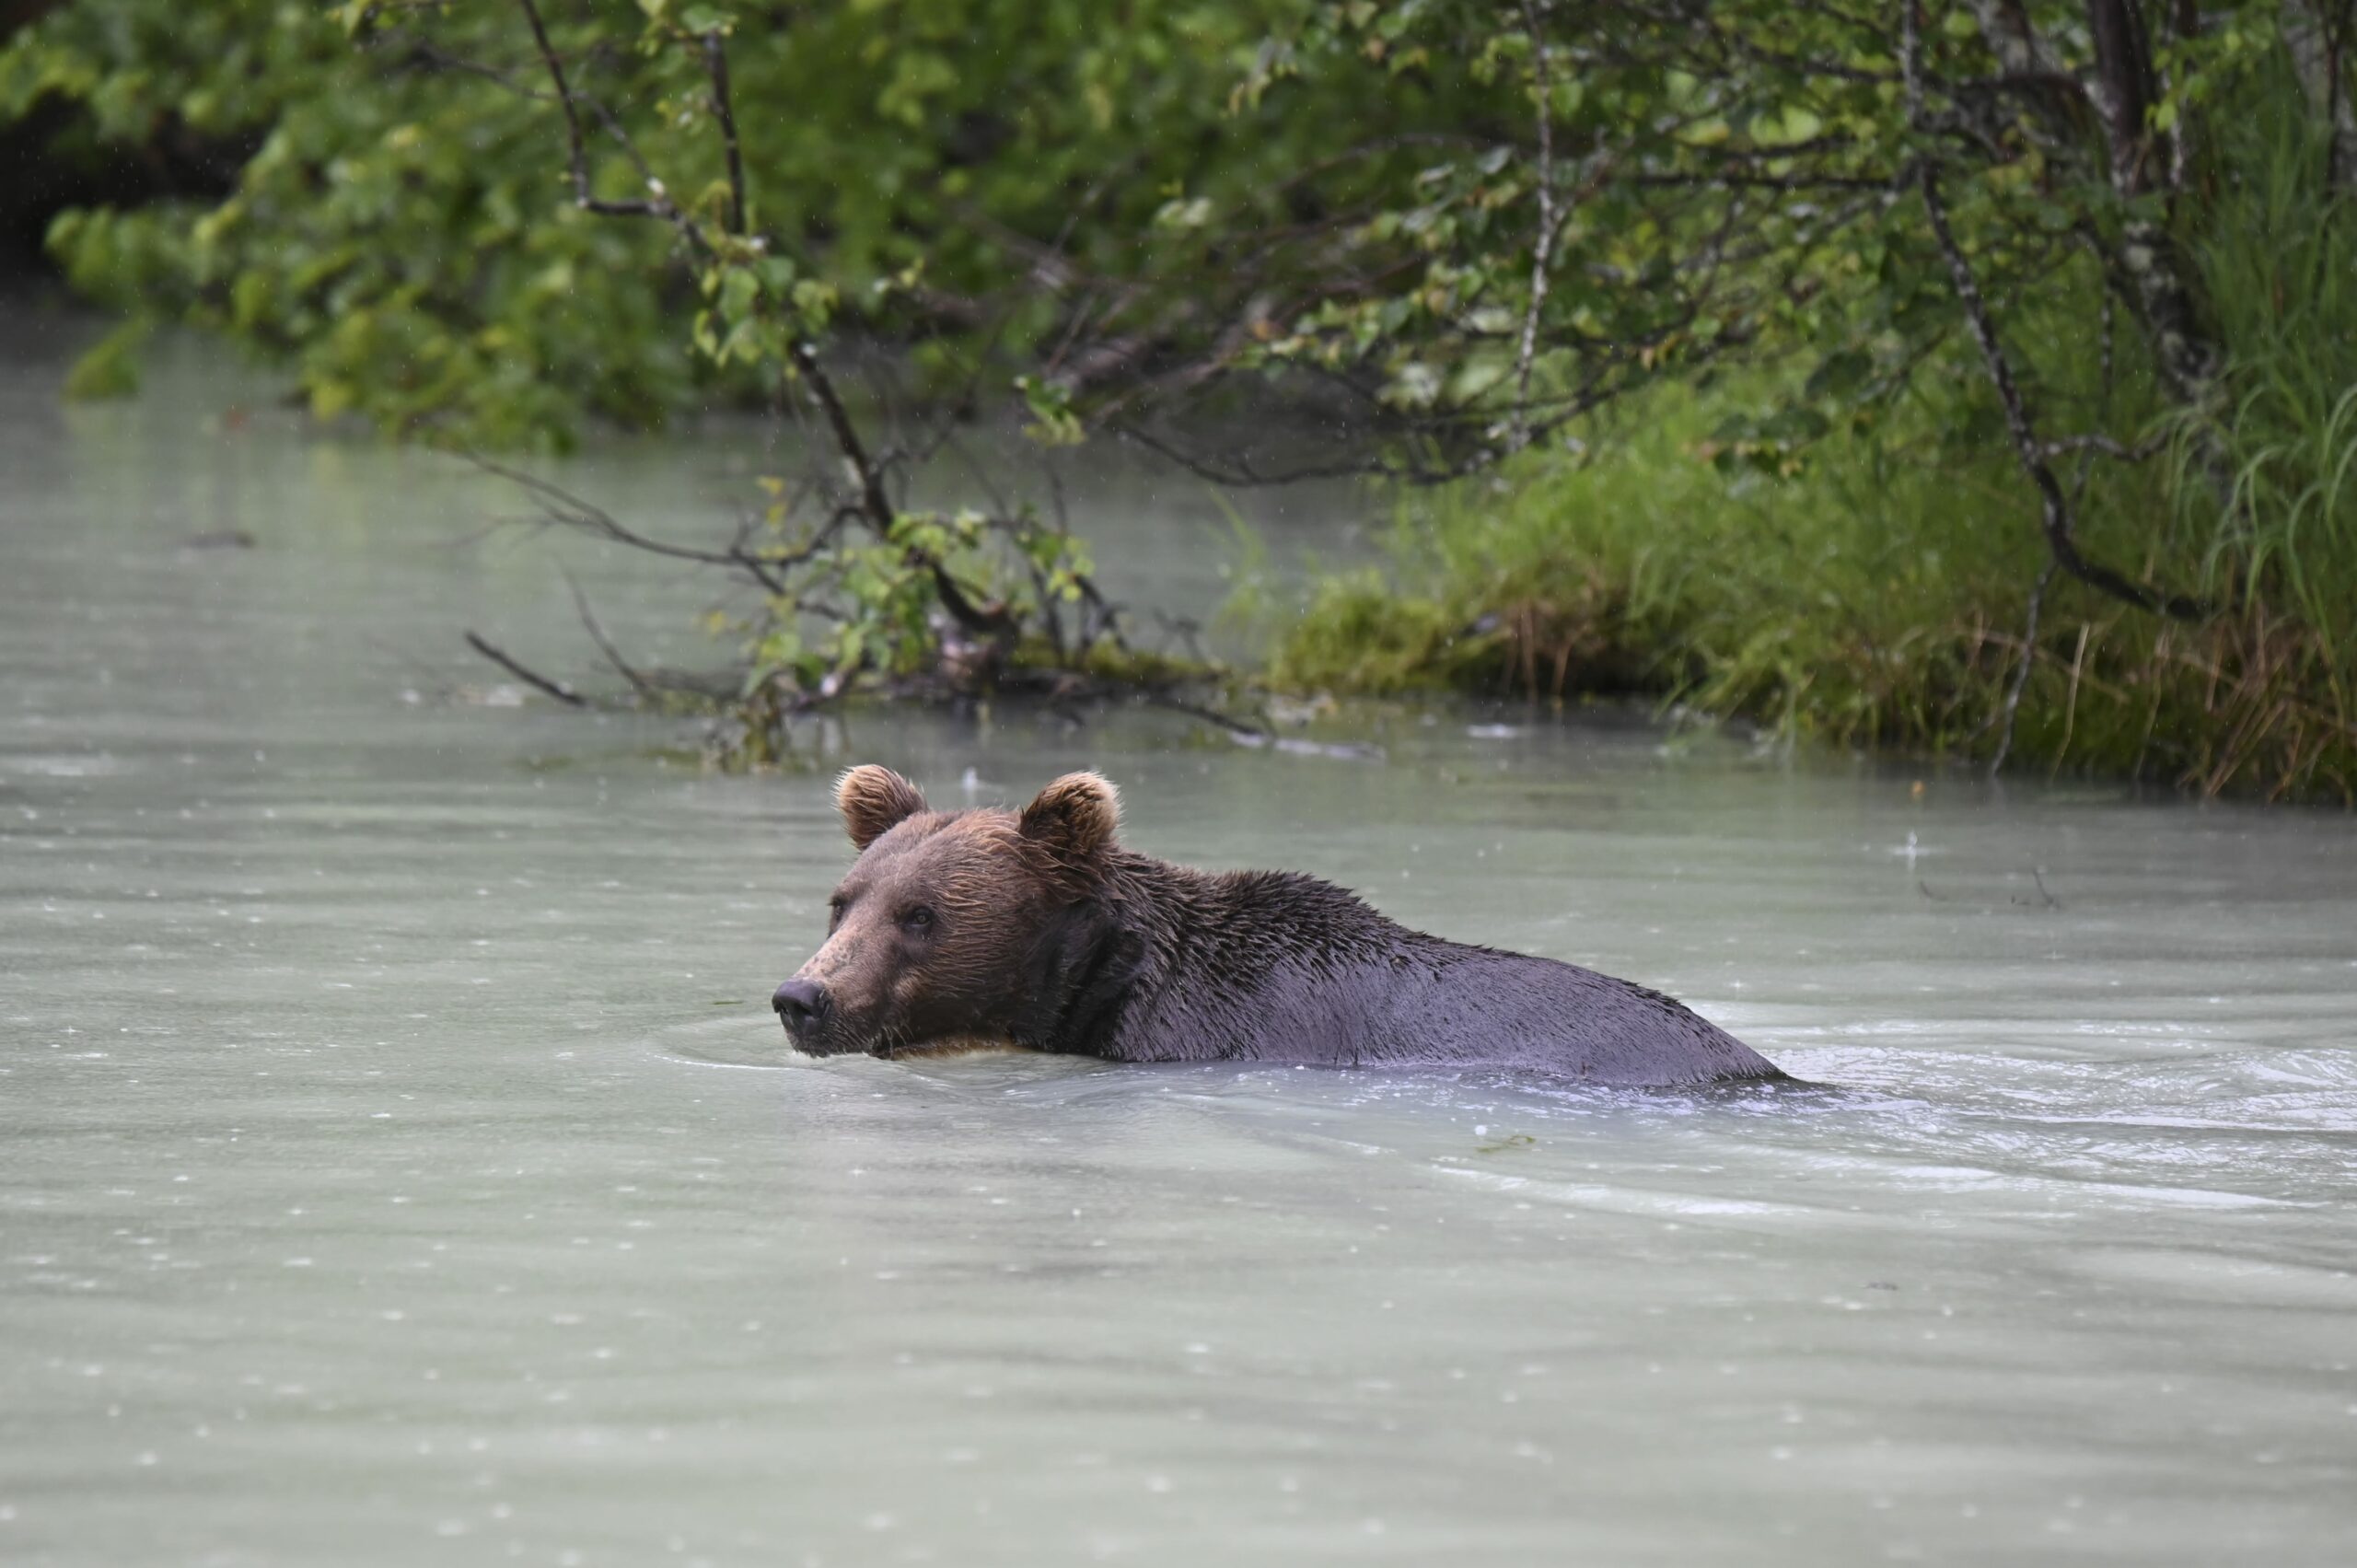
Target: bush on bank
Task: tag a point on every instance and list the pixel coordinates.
(1876, 596)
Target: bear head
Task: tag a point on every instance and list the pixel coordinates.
(955, 927)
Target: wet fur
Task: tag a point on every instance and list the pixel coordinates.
(1054, 937)
(960, 1045)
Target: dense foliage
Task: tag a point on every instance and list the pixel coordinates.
(943, 172)
(2083, 258)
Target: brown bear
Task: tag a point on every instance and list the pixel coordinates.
(1035, 929)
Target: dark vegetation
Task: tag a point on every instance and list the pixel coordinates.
(1973, 379)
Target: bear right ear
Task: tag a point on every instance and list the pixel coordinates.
(1077, 814)
(873, 800)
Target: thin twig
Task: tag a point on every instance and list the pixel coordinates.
(563, 507)
(660, 208)
(2020, 671)
(2110, 446)
(876, 505)
(645, 687)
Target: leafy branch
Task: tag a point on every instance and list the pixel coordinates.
(916, 599)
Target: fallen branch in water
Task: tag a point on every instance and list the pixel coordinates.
(1255, 737)
(556, 689)
(1249, 733)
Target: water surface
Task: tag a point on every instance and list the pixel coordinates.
(398, 1162)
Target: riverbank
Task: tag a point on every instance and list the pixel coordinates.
(1868, 605)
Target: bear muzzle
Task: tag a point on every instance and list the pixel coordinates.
(802, 1006)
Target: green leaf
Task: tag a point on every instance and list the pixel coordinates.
(109, 368)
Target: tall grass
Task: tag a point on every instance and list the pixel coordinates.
(1825, 602)
(2279, 262)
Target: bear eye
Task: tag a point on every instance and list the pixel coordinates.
(917, 922)
(834, 911)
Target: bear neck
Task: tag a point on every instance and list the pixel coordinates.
(1197, 964)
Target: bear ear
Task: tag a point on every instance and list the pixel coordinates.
(872, 800)
(1077, 814)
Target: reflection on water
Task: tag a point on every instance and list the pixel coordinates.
(398, 1164)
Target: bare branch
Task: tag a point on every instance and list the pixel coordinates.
(2021, 672)
(645, 687)
(1240, 473)
(583, 197)
(556, 689)
(876, 505)
(563, 507)
(2110, 446)
(425, 52)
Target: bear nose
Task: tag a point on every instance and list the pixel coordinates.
(798, 1002)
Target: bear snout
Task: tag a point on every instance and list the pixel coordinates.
(800, 1005)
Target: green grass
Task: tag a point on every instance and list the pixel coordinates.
(2281, 269)
(1876, 600)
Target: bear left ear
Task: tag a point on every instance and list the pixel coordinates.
(873, 800)
(1077, 814)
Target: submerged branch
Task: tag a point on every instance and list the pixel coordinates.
(556, 689)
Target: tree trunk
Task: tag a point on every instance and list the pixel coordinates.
(2317, 32)
(2142, 261)
(2005, 28)
(2146, 263)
